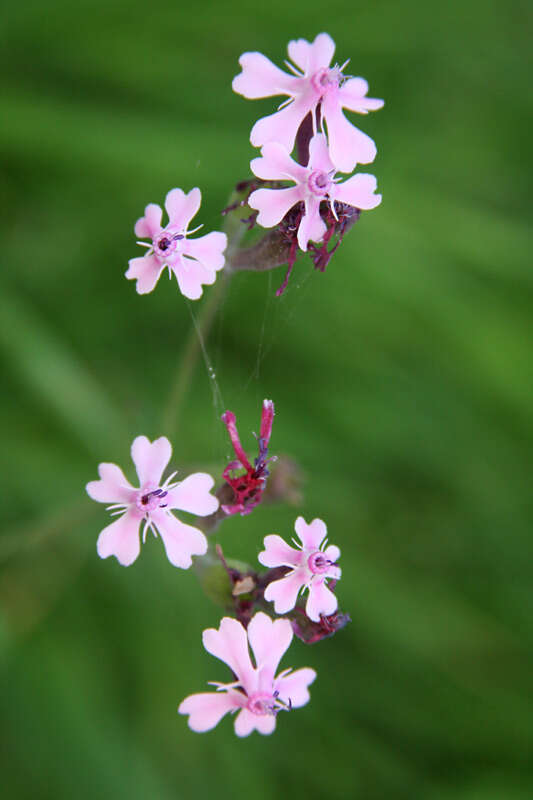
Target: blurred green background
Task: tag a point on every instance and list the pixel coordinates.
(402, 380)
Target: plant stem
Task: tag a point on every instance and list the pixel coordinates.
(187, 364)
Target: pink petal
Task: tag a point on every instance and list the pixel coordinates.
(294, 687)
(208, 249)
(282, 126)
(273, 204)
(246, 722)
(352, 96)
(121, 538)
(332, 552)
(312, 226)
(312, 57)
(261, 78)
(278, 553)
(181, 207)
(146, 227)
(230, 644)
(321, 600)
(113, 486)
(348, 145)
(207, 709)
(311, 535)
(181, 541)
(150, 458)
(265, 724)
(283, 593)
(269, 640)
(276, 164)
(193, 495)
(267, 419)
(319, 154)
(358, 191)
(334, 572)
(192, 275)
(146, 270)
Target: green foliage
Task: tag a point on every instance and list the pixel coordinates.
(402, 380)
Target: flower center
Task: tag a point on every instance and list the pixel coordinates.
(326, 78)
(261, 703)
(148, 500)
(317, 562)
(166, 243)
(319, 183)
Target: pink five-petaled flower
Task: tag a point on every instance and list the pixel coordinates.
(151, 504)
(312, 564)
(315, 183)
(248, 487)
(256, 692)
(193, 261)
(315, 85)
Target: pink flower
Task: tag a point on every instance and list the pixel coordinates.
(255, 693)
(312, 564)
(248, 488)
(151, 504)
(193, 261)
(314, 184)
(315, 85)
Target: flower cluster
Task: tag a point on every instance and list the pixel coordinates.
(328, 143)
(256, 692)
(305, 204)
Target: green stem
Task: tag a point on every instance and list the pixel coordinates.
(187, 364)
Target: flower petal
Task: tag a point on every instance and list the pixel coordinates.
(121, 539)
(230, 644)
(321, 600)
(273, 204)
(333, 572)
(261, 78)
(312, 56)
(352, 96)
(191, 276)
(332, 552)
(146, 227)
(146, 270)
(312, 226)
(319, 154)
(113, 486)
(348, 145)
(265, 724)
(276, 164)
(311, 535)
(269, 640)
(282, 126)
(208, 249)
(193, 495)
(293, 687)
(358, 191)
(207, 709)
(150, 458)
(278, 553)
(181, 541)
(181, 207)
(284, 592)
(244, 722)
